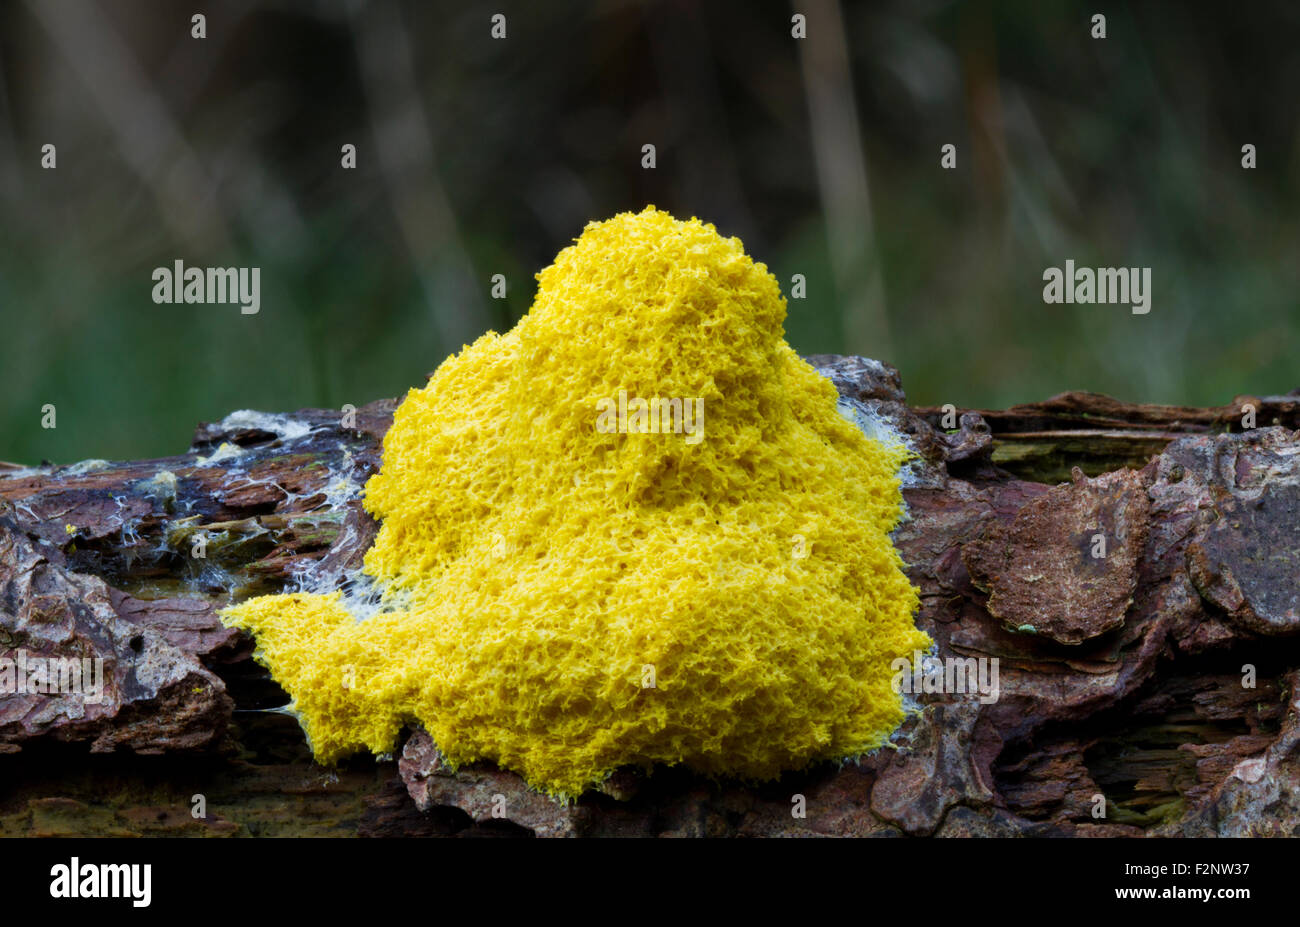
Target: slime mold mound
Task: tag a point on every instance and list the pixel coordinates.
(568, 588)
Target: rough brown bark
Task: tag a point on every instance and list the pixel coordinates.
(1121, 676)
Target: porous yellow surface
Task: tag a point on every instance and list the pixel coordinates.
(539, 573)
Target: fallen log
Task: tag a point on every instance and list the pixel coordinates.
(1130, 575)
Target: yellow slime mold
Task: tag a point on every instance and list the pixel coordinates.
(564, 596)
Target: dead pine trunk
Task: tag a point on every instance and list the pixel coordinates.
(1117, 585)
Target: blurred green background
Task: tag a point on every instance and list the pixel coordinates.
(479, 156)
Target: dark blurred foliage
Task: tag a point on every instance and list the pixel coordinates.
(479, 157)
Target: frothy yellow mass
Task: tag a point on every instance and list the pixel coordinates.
(565, 599)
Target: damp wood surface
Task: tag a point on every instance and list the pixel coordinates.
(1151, 691)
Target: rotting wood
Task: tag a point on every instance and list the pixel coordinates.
(1126, 695)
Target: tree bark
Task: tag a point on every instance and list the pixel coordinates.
(1134, 570)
